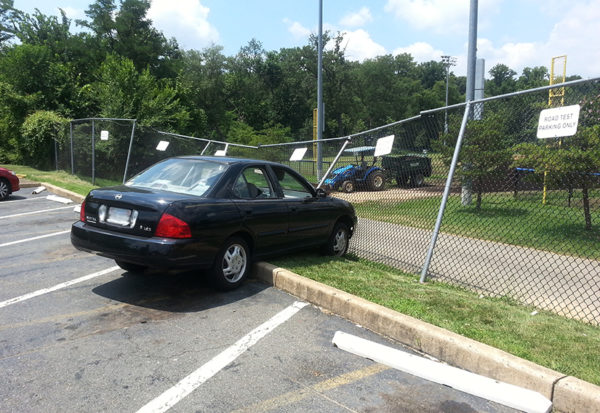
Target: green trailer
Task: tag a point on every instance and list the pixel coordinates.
(407, 169)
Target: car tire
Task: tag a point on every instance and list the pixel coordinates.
(417, 180)
(130, 267)
(337, 244)
(232, 264)
(376, 181)
(4, 189)
(347, 186)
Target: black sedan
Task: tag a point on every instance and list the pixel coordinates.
(211, 213)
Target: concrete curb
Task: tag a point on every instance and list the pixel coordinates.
(64, 192)
(568, 394)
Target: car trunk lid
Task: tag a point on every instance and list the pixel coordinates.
(126, 209)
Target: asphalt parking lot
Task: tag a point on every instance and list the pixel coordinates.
(79, 334)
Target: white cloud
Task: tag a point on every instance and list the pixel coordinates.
(573, 35)
(73, 13)
(359, 45)
(296, 29)
(440, 16)
(421, 52)
(357, 19)
(186, 20)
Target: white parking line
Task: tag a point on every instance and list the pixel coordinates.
(6, 244)
(507, 394)
(56, 287)
(23, 200)
(190, 383)
(34, 212)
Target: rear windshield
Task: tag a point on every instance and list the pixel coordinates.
(184, 176)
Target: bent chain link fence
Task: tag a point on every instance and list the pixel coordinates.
(522, 219)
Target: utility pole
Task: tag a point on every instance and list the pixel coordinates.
(320, 119)
(467, 189)
(447, 61)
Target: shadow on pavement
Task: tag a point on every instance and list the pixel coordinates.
(176, 292)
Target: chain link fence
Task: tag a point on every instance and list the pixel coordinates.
(521, 216)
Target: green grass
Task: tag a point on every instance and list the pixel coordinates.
(76, 183)
(568, 346)
(524, 221)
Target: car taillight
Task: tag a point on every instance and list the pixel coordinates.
(82, 212)
(172, 227)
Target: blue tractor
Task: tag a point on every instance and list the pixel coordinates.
(358, 176)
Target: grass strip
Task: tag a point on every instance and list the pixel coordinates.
(568, 346)
(76, 183)
(524, 221)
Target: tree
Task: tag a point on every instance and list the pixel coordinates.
(122, 92)
(8, 18)
(32, 70)
(40, 130)
(502, 80)
(14, 108)
(533, 77)
(485, 152)
(127, 32)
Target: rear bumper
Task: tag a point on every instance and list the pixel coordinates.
(151, 252)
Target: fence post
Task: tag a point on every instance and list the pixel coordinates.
(71, 135)
(56, 154)
(438, 222)
(93, 154)
(129, 151)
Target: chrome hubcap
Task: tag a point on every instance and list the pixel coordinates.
(3, 189)
(340, 242)
(234, 263)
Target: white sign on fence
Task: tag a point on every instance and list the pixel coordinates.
(162, 146)
(558, 122)
(384, 145)
(298, 154)
(104, 135)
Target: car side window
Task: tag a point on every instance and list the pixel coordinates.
(253, 184)
(290, 185)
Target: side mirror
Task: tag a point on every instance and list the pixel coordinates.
(321, 193)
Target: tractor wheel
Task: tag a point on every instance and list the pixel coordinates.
(402, 180)
(417, 180)
(347, 186)
(376, 181)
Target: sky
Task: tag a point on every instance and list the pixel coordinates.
(517, 33)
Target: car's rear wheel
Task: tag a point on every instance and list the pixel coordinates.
(4, 189)
(232, 264)
(337, 244)
(130, 267)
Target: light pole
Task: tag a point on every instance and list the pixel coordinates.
(447, 61)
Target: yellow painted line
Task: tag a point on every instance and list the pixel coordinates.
(319, 388)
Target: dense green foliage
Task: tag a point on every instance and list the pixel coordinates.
(122, 66)
(40, 132)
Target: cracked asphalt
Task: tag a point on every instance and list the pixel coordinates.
(116, 341)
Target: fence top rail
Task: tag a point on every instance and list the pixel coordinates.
(88, 119)
(342, 137)
(239, 145)
(517, 93)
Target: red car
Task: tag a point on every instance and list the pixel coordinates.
(9, 183)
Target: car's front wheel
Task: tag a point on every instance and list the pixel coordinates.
(130, 267)
(337, 244)
(232, 264)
